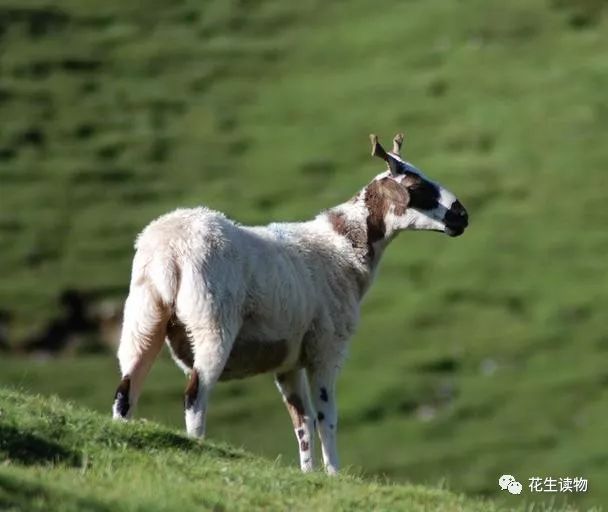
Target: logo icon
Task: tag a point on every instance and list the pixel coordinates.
(509, 483)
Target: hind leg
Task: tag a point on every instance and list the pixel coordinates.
(143, 331)
(212, 342)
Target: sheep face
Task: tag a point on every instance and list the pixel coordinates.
(415, 202)
(428, 205)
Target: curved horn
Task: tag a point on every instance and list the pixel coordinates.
(397, 143)
(377, 150)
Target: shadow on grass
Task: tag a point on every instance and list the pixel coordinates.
(146, 440)
(18, 494)
(26, 448)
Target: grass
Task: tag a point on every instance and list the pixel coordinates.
(475, 356)
(391, 440)
(60, 457)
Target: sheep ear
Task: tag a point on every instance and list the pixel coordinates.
(377, 150)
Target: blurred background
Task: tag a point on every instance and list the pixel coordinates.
(475, 357)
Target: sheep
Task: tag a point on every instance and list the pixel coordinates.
(233, 301)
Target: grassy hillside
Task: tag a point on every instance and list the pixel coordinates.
(59, 457)
(475, 356)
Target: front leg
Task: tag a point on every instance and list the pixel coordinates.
(323, 389)
(294, 390)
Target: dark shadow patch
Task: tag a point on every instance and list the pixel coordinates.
(144, 440)
(39, 21)
(89, 87)
(6, 319)
(5, 95)
(33, 137)
(74, 319)
(373, 414)
(159, 151)
(437, 87)
(29, 449)
(84, 131)
(581, 14)
(442, 365)
(7, 154)
(110, 151)
(81, 65)
(19, 494)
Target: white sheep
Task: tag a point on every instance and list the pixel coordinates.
(234, 301)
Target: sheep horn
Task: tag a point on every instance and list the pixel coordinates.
(377, 150)
(397, 143)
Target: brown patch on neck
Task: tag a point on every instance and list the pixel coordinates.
(352, 232)
(380, 195)
(355, 233)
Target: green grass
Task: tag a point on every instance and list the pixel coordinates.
(475, 356)
(60, 457)
(375, 439)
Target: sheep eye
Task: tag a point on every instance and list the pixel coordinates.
(411, 182)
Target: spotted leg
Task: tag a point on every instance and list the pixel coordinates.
(323, 389)
(294, 390)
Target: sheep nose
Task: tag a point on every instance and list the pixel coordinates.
(457, 216)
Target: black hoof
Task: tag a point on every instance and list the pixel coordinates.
(121, 398)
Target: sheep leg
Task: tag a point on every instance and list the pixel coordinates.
(294, 390)
(141, 340)
(323, 389)
(211, 347)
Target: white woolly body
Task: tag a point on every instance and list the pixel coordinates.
(285, 281)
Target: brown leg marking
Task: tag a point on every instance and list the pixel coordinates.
(296, 409)
(191, 390)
